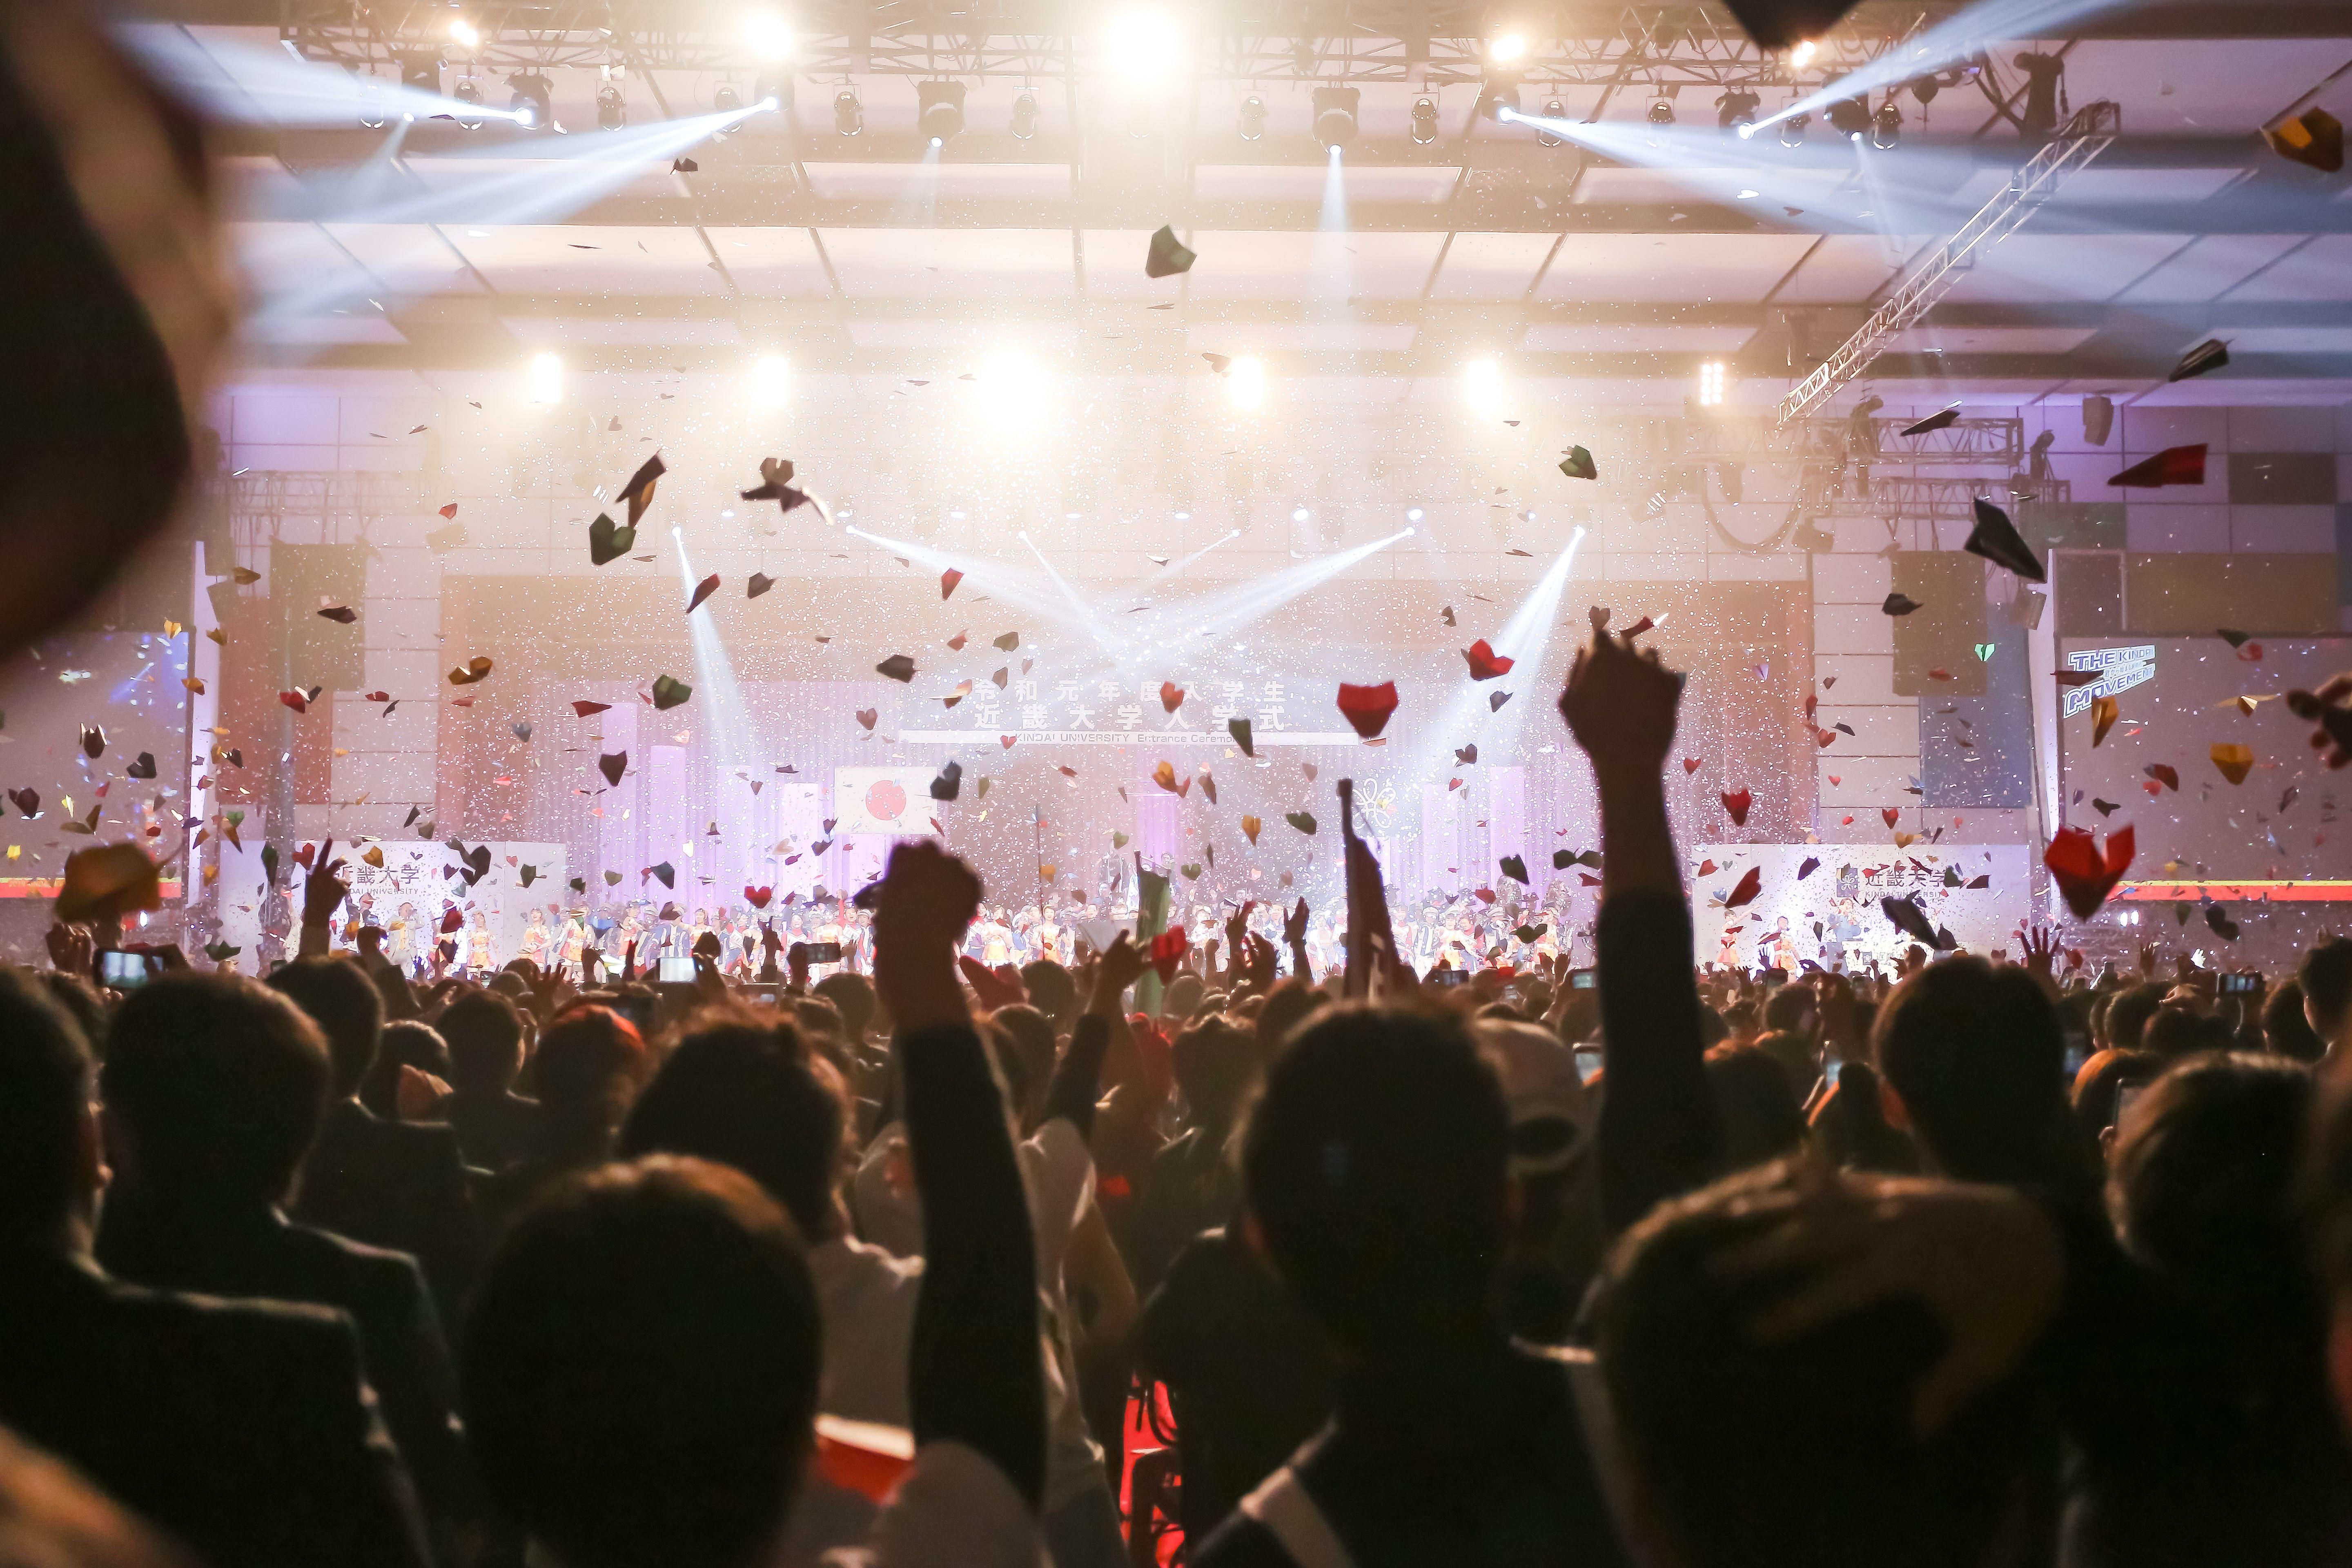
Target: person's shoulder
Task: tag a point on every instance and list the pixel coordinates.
(287, 1332)
(953, 1509)
(375, 1270)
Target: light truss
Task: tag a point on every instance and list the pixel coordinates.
(2082, 139)
(1964, 443)
(1602, 44)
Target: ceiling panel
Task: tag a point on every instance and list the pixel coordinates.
(917, 182)
(1304, 337)
(2319, 270)
(1421, 184)
(960, 263)
(282, 261)
(1991, 340)
(2282, 339)
(2034, 267)
(1262, 265)
(1693, 268)
(772, 263)
(1480, 266)
(370, 328)
(535, 179)
(588, 260)
(1634, 337)
(412, 258)
(568, 331)
(2097, 186)
(2195, 87)
(1847, 269)
(2208, 265)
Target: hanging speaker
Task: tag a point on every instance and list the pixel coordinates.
(2098, 419)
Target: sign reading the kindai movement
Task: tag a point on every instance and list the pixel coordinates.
(885, 800)
(1821, 902)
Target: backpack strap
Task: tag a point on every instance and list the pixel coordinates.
(1296, 1521)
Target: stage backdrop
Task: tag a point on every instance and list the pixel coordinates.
(412, 875)
(1855, 877)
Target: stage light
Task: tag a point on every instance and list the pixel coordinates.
(1413, 514)
(726, 101)
(1024, 115)
(848, 114)
(1334, 116)
(1802, 55)
(421, 69)
(1482, 386)
(546, 378)
(1504, 47)
(1735, 111)
(1552, 110)
(469, 101)
(465, 33)
(1424, 120)
(1142, 44)
(1886, 126)
(772, 90)
(1499, 98)
(1245, 382)
(1850, 117)
(1925, 89)
(612, 108)
(939, 110)
(1662, 111)
(1792, 130)
(772, 376)
(1014, 386)
(1710, 384)
(1299, 514)
(769, 37)
(1252, 122)
(371, 103)
(532, 102)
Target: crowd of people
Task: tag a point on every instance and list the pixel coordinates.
(1267, 1254)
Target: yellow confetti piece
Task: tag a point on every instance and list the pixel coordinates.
(193, 683)
(2235, 761)
(2105, 711)
(172, 628)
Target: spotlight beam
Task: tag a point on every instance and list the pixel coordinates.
(989, 575)
(1177, 568)
(1523, 639)
(258, 84)
(1220, 614)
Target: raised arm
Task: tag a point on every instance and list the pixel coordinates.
(1658, 1134)
(974, 1374)
(1078, 1080)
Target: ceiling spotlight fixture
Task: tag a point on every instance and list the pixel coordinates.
(421, 68)
(1710, 384)
(371, 111)
(464, 34)
(469, 104)
(772, 90)
(1925, 89)
(1252, 118)
(1334, 116)
(726, 101)
(1024, 116)
(939, 110)
(1424, 120)
(1662, 111)
(1850, 117)
(1245, 382)
(1499, 97)
(1792, 130)
(1802, 55)
(1142, 44)
(1886, 126)
(1735, 111)
(612, 108)
(532, 103)
(1552, 110)
(1506, 47)
(848, 114)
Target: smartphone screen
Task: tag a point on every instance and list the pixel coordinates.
(824, 952)
(122, 971)
(2240, 985)
(1588, 1062)
(1581, 979)
(675, 972)
(1446, 978)
(2126, 1094)
(638, 1011)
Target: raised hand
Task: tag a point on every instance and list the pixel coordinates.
(1294, 925)
(324, 889)
(2147, 961)
(2040, 947)
(70, 948)
(1620, 704)
(2330, 710)
(925, 902)
(1121, 965)
(1261, 963)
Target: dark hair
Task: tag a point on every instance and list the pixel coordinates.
(1796, 1452)
(405, 1042)
(44, 1107)
(1030, 1034)
(1286, 1007)
(1215, 1061)
(1789, 1006)
(343, 1002)
(817, 1015)
(485, 1036)
(750, 1095)
(854, 995)
(221, 1082)
(1979, 1059)
(2202, 1180)
(1800, 1060)
(2128, 1011)
(2285, 1030)
(82, 1004)
(589, 1066)
(1052, 988)
(1375, 1166)
(1760, 1116)
(640, 1368)
(2097, 1087)
(2326, 975)
(1851, 1128)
